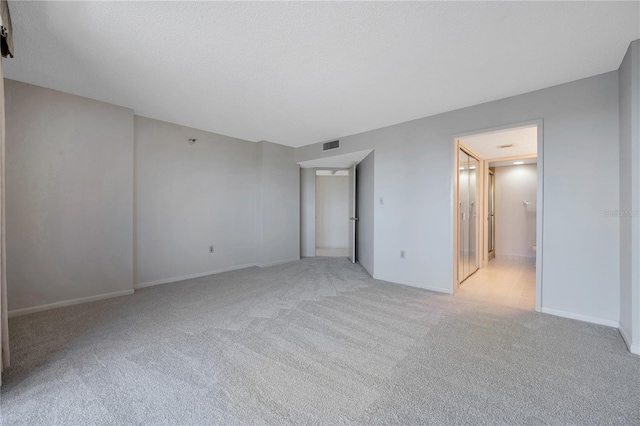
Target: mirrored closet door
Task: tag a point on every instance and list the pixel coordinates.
(467, 215)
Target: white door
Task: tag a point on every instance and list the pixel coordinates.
(352, 214)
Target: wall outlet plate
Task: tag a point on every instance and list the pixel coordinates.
(403, 254)
(210, 249)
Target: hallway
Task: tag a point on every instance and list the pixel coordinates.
(503, 282)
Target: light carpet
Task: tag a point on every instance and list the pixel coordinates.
(316, 341)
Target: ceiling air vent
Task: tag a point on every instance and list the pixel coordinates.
(505, 146)
(330, 145)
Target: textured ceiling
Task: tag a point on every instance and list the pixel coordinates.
(298, 73)
(487, 145)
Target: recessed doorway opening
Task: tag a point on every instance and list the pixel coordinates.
(332, 213)
(498, 216)
(359, 168)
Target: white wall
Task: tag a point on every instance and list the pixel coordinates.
(278, 225)
(239, 196)
(515, 223)
(629, 209)
(69, 197)
(307, 212)
(365, 200)
(70, 201)
(414, 174)
(332, 211)
(189, 197)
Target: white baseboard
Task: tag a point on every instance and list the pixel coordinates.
(580, 317)
(366, 270)
(412, 284)
(279, 262)
(517, 258)
(48, 306)
(634, 349)
(192, 276)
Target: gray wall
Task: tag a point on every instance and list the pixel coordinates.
(278, 225)
(308, 212)
(70, 200)
(515, 223)
(414, 174)
(69, 197)
(365, 199)
(629, 75)
(189, 197)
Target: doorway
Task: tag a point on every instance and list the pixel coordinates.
(498, 216)
(332, 213)
(359, 167)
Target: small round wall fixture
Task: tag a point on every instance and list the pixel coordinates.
(192, 141)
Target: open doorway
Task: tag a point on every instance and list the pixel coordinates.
(322, 209)
(332, 213)
(497, 216)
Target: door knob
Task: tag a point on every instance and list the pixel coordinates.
(353, 218)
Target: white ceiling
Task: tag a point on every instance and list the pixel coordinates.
(337, 161)
(296, 73)
(510, 163)
(487, 145)
(332, 173)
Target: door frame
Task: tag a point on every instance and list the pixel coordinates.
(455, 147)
(480, 176)
(490, 188)
(353, 212)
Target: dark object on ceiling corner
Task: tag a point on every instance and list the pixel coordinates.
(6, 31)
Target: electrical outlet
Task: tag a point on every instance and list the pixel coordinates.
(403, 254)
(210, 249)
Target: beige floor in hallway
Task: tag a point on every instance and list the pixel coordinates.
(503, 282)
